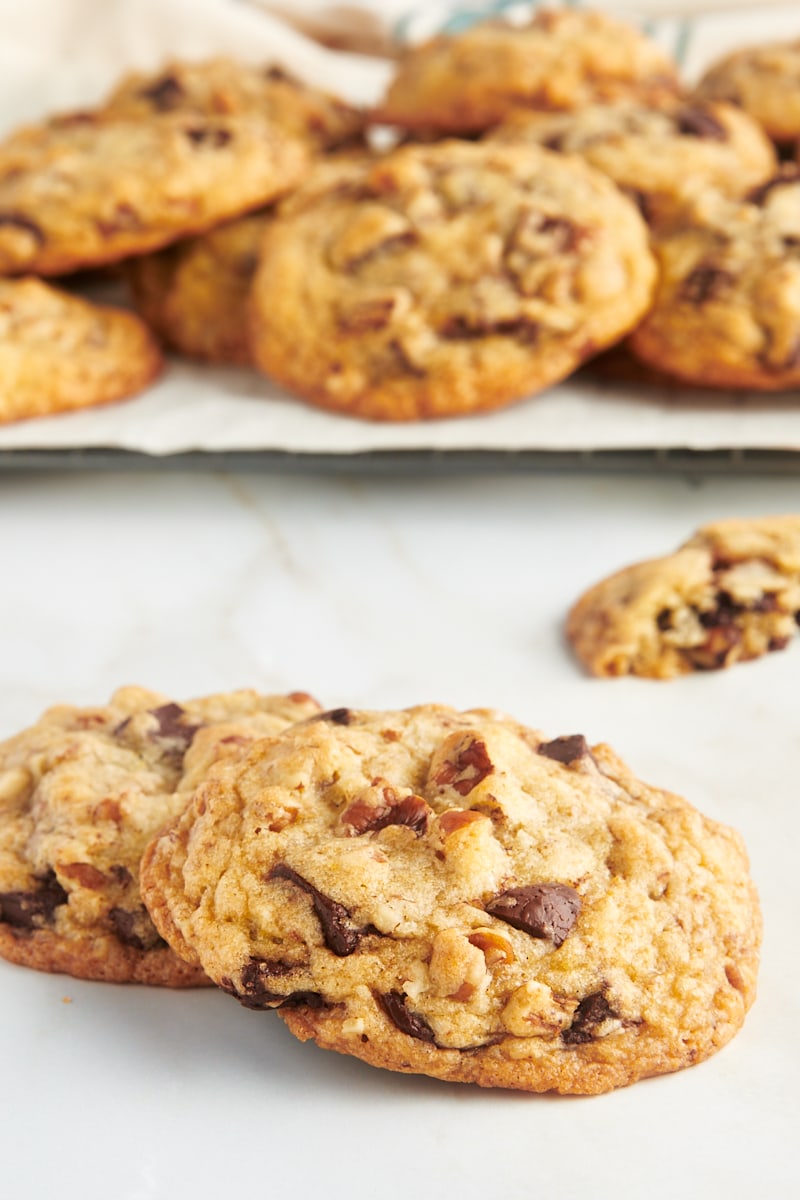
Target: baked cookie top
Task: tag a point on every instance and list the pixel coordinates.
(653, 153)
(731, 593)
(89, 188)
(446, 279)
(562, 59)
(223, 87)
(453, 894)
(59, 352)
(765, 82)
(194, 293)
(727, 306)
(81, 793)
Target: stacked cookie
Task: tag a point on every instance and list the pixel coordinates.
(555, 190)
(441, 892)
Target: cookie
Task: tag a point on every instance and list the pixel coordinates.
(726, 311)
(446, 279)
(730, 594)
(81, 793)
(653, 153)
(89, 188)
(765, 82)
(562, 59)
(454, 895)
(58, 352)
(221, 87)
(194, 293)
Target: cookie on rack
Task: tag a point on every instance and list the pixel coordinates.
(561, 59)
(59, 352)
(223, 87)
(765, 82)
(455, 895)
(81, 793)
(726, 311)
(89, 188)
(729, 594)
(446, 279)
(652, 153)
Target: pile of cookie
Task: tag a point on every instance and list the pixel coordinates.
(432, 891)
(553, 191)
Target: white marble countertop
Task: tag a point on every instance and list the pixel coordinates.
(381, 592)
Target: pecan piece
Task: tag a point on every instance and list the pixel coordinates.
(470, 766)
(410, 810)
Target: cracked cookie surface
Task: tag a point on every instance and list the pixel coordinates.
(446, 279)
(81, 793)
(652, 153)
(452, 894)
(561, 59)
(726, 311)
(765, 82)
(58, 352)
(730, 594)
(90, 188)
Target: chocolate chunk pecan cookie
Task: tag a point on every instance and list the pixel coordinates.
(727, 306)
(562, 59)
(765, 82)
(81, 793)
(223, 87)
(446, 279)
(653, 153)
(731, 593)
(453, 894)
(58, 352)
(91, 188)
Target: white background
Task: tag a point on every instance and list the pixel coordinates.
(382, 593)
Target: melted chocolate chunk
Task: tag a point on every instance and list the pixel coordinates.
(590, 1013)
(464, 328)
(278, 75)
(566, 749)
(700, 123)
(165, 94)
(170, 726)
(664, 619)
(254, 990)
(130, 928)
(471, 767)
(338, 716)
(25, 223)
(32, 910)
(724, 614)
(209, 136)
(415, 1025)
(544, 910)
(705, 283)
(787, 175)
(340, 935)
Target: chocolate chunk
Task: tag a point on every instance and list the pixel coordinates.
(120, 874)
(411, 811)
(415, 1025)
(170, 726)
(705, 283)
(590, 1013)
(701, 123)
(544, 910)
(32, 910)
(257, 974)
(339, 716)
(20, 222)
(165, 94)
(778, 643)
(460, 327)
(209, 136)
(787, 175)
(471, 766)
(339, 934)
(134, 929)
(664, 619)
(725, 613)
(566, 749)
(278, 75)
